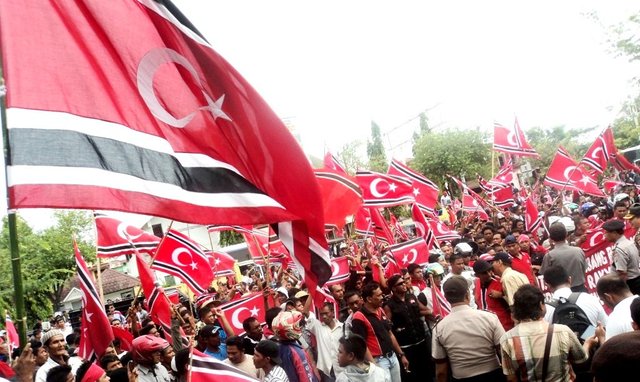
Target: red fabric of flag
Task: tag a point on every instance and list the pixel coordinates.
(159, 304)
(341, 196)
(411, 252)
(95, 331)
(532, 218)
(116, 238)
(237, 311)
(425, 191)
(564, 173)
(380, 190)
(13, 339)
(160, 125)
(331, 162)
(339, 271)
(423, 229)
(512, 141)
(597, 156)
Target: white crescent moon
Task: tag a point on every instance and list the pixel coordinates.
(234, 318)
(415, 256)
(335, 269)
(593, 242)
(122, 232)
(567, 171)
(511, 138)
(373, 188)
(594, 154)
(175, 256)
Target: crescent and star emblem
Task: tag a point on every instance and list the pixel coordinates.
(335, 269)
(374, 188)
(235, 320)
(414, 253)
(149, 65)
(175, 257)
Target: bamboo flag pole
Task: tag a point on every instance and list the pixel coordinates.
(16, 267)
(99, 271)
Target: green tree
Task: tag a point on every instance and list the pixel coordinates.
(454, 152)
(230, 237)
(47, 260)
(375, 150)
(546, 143)
(350, 158)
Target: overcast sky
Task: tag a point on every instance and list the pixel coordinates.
(331, 67)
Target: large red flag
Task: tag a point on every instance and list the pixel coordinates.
(341, 196)
(95, 332)
(362, 223)
(116, 238)
(532, 218)
(181, 257)
(424, 190)
(381, 228)
(512, 141)
(423, 229)
(160, 125)
(239, 310)
(205, 368)
(380, 190)
(565, 173)
(441, 231)
(409, 252)
(222, 263)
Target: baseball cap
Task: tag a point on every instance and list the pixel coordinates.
(634, 212)
(208, 331)
(502, 256)
(463, 248)
(283, 290)
(481, 266)
(301, 294)
(510, 239)
(613, 225)
(456, 286)
(269, 349)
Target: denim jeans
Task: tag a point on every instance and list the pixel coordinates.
(391, 365)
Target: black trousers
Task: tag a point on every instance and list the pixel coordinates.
(492, 376)
(421, 366)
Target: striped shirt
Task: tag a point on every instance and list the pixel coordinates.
(277, 374)
(523, 352)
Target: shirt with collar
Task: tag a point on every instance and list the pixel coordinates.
(156, 374)
(620, 318)
(327, 341)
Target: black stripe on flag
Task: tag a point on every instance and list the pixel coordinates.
(35, 147)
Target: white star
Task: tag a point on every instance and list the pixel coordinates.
(194, 265)
(405, 259)
(503, 177)
(585, 180)
(216, 107)
(392, 187)
(416, 192)
(217, 261)
(88, 316)
(254, 311)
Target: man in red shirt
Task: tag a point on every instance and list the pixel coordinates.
(521, 261)
(488, 293)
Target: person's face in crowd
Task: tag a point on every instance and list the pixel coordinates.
(280, 298)
(110, 350)
(488, 235)
(167, 355)
(259, 361)
(466, 258)
(407, 279)
(457, 266)
(437, 280)
(354, 303)
(344, 359)
(376, 298)
(482, 244)
(485, 277)
(583, 226)
(234, 354)
(57, 347)
(326, 315)
(255, 288)
(417, 275)
(447, 250)
(116, 323)
(497, 239)
(154, 332)
(442, 261)
(513, 249)
(520, 225)
(41, 356)
(524, 245)
(620, 212)
(60, 324)
(358, 285)
(214, 341)
(299, 306)
(114, 365)
(611, 236)
(497, 267)
(337, 291)
(400, 287)
(255, 330)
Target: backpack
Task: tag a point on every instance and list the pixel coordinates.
(568, 313)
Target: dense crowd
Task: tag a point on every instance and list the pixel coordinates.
(499, 303)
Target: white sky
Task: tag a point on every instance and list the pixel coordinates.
(331, 67)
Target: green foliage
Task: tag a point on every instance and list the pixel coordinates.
(546, 143)
(626, 128)
(375, 150)
(47, 261)
(230, 237)
(349, 157)
(455, 152)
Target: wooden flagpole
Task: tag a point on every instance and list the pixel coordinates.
(99, 271)
(16, 267)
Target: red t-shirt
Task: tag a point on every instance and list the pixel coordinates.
(498, 306)
(523, 265)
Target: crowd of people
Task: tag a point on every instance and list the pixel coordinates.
(477, 311)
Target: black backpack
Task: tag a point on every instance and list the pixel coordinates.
(568, 313)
